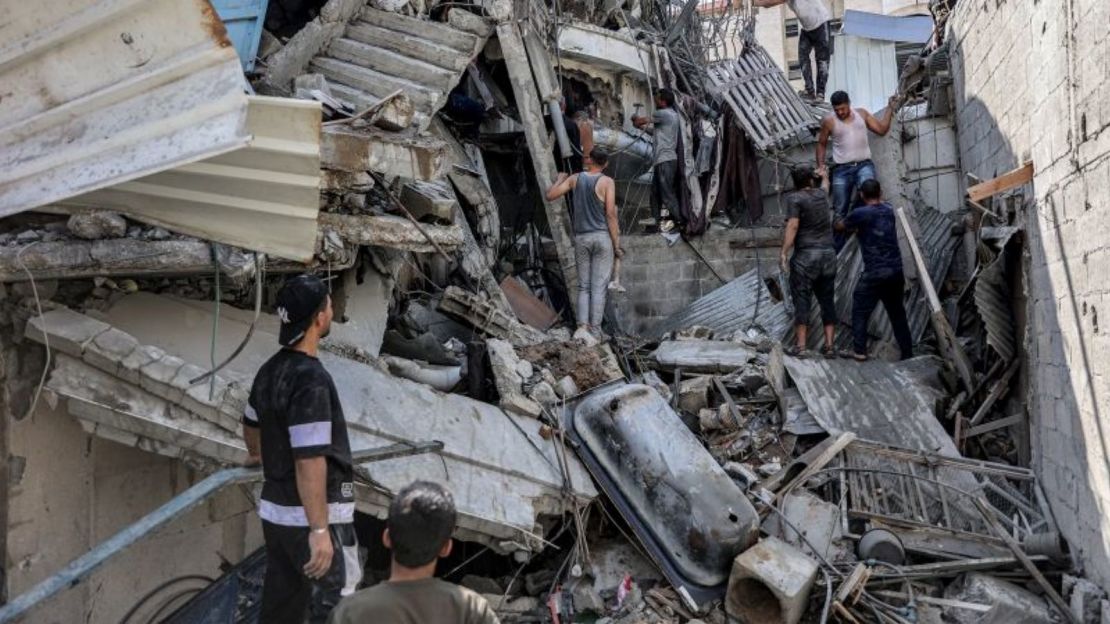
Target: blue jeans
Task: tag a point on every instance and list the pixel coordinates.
(845, 180)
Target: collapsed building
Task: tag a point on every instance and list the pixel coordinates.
(166, 166)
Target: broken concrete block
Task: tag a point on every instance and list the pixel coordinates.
(1084, 598)
(305, 84)
(130, 369)
(524, 369)
(1009, 604)
(693, 393)
(109, 349)
(770, 583)
(157, 377)
(506, 607)
(97, 224)
(469, 22)
(392, 231)
(336, 181)
(586, 599)
(651, 378)
(205, 401)
(566, 388)
(69, 331)
(429, 201)
(696, 332)
(543, 394)
(504, 366)
(818, 521)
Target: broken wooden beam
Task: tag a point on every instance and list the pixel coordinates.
(416, 157)
(1011, 180)
(543, 163)
(998, 390)
(392, 232)
(945, 335)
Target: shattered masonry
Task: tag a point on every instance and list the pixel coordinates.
(164, 166)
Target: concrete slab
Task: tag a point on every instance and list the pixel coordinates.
(703, 356)
(502, 472)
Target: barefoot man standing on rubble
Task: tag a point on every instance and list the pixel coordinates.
(294, 425)
(814, 34)
(882, 279)
(851, 150)
(812, 268)
(596, 234)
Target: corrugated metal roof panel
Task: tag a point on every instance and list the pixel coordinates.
(897, 28)
(275, 181)
(103, 92)
(993, 300)
(887, 402)
(741, 304)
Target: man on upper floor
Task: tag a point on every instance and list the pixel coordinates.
(814, 35)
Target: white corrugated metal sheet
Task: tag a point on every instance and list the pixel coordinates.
(97, 93)
(866, 69)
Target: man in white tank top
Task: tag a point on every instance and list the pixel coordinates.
(851, 150)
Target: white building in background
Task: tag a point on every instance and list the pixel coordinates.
(777, 31)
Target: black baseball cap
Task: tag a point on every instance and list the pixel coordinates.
(297, 302)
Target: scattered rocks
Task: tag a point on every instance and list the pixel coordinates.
(543, 394)
(566, 387)
(97, 225)
(505, 365)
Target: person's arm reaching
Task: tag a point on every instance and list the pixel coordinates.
(879, 126)
(563, 185)
(610, 191)
(788, 237)
(822, 145)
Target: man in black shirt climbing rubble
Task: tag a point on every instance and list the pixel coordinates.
(294, 425)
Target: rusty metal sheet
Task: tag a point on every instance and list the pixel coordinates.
(528, 307)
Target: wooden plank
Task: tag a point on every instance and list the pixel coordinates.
(940, 321)
(823, 453)
(999, 390)
(1018, 177)
(1001, 423)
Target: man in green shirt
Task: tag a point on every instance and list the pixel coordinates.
(418, 532)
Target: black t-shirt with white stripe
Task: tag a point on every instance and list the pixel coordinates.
(294, 402)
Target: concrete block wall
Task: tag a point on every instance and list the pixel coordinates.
(661, 279)
(1033, 81)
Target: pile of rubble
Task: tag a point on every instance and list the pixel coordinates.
(691, 474)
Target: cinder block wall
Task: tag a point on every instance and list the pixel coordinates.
(1033, 80)
(661, 279)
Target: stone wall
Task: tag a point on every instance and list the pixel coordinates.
(1033, 82)
(662, 279)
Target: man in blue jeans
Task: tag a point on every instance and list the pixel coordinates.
(851, 150)
(882, 280)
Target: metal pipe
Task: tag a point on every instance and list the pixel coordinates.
(79, 568)
(561, 135)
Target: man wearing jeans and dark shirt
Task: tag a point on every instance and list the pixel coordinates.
(882, 279)
(664, 127)
(812, 269)
(294, 424)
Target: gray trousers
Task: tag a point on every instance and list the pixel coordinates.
(593, 254)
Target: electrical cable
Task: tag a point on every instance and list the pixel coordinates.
(150, 594)
(42, 322)
(259, 264)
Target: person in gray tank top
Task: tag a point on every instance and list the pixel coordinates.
(848, 128)
(596, 234)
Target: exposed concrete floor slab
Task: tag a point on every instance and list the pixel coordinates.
(502, 473)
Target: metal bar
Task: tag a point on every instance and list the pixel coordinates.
(71, 575)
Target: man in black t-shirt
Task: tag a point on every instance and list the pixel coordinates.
(812, 268)
(294, 425)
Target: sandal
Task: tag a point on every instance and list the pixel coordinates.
(829, 352)
(794, 351)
